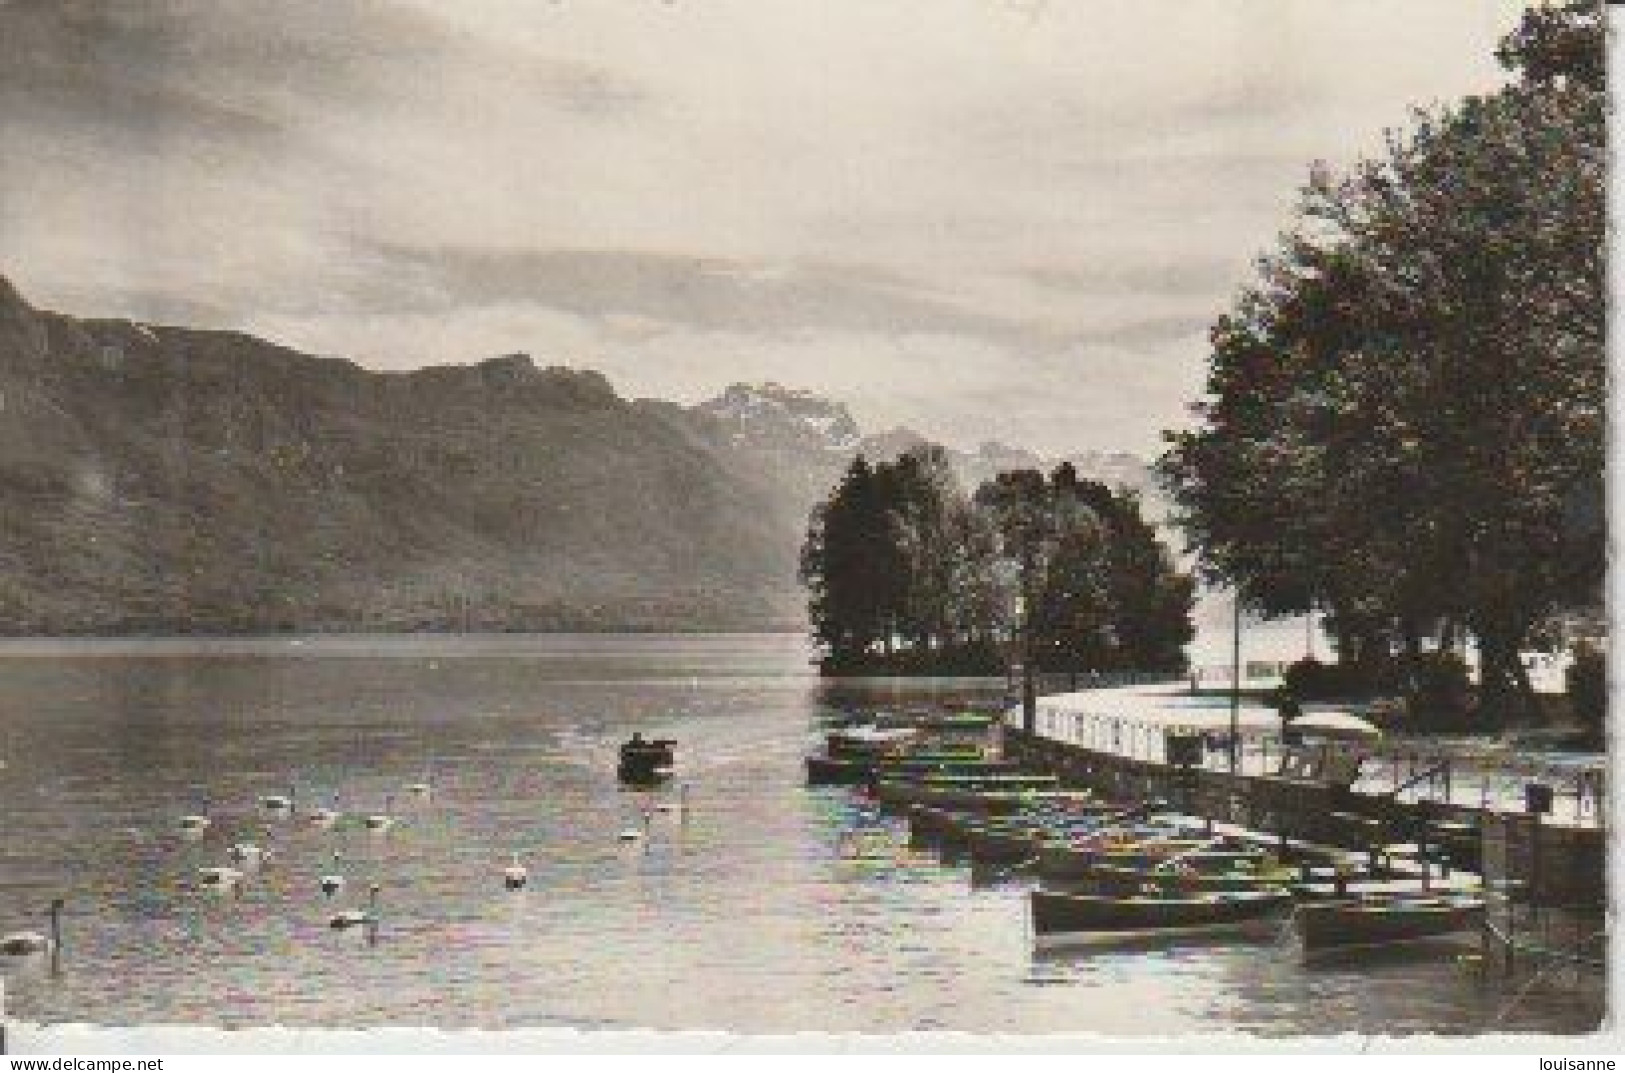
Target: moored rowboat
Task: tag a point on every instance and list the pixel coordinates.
(1121, 881)
(1349, 924)
(853, 770)
(1137, 847)
(956, 791)
(1060, 917)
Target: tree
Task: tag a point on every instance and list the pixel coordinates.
(851, 563)
(1405, 416)
(905, 573)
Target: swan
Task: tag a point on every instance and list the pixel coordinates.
(20, 944)
(381, 821)
(421, 789)
(680, 805)
(356, 918)
(333, 882)
(195, 823)
(279, 804)
(326, 817)
(515, 876)
(633, 834)
(219, 880)
(23, 943)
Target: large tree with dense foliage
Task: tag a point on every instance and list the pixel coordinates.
(905, 572)
(1405, 416)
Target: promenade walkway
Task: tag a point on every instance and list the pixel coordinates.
(1479, 772)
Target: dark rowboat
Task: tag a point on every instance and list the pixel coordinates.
(1350, 924)
(1061, 917)
(855, 771)
(1129, 847)
(867, 741)
(1121, 881)
(645, 762)
(956, 791)
(1015, 838)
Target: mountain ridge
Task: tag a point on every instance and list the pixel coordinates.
(156, 478)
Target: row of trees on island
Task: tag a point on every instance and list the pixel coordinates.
(1404, 426)
(907, 573)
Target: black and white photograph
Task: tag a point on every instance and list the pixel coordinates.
(862, 519)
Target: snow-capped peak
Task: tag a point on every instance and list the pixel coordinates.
(772, 415)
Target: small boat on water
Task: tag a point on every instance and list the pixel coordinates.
(1060, 917)
(855, 771)
(646, 762)
(956, 791)
(868, 741)
(971, 723)
(1142, 847)
(1192, 876)
(1016, 838)
(1349, 925)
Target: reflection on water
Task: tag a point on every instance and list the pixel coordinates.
(762, 907)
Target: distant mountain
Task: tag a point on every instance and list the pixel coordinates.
(1114, 469)
(773, 417)
(810, 439)
(165, 479)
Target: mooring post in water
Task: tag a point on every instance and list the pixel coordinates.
(57, 905)
(372, 915)
(1422, 850)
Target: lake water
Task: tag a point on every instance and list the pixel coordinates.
(766, 907)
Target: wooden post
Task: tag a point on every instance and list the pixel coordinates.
(57, 905)
(1422, 849)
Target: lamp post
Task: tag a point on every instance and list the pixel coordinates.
(1024, 652)
(1235, 688)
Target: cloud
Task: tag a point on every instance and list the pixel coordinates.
(693, 290)
(975, 216)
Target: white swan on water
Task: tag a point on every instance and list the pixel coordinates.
(357, 918)
(634, 834)
(333, 882)
(678, 806)
(21, 944)
(195, 823)
(325, 817)
(515, 876)
(279, 804)
(220, 880)
(381, 821)
(421, 789)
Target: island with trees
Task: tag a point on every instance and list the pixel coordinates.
(907, 573)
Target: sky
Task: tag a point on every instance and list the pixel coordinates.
(983, 219)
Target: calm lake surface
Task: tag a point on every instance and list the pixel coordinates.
(767, 907)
